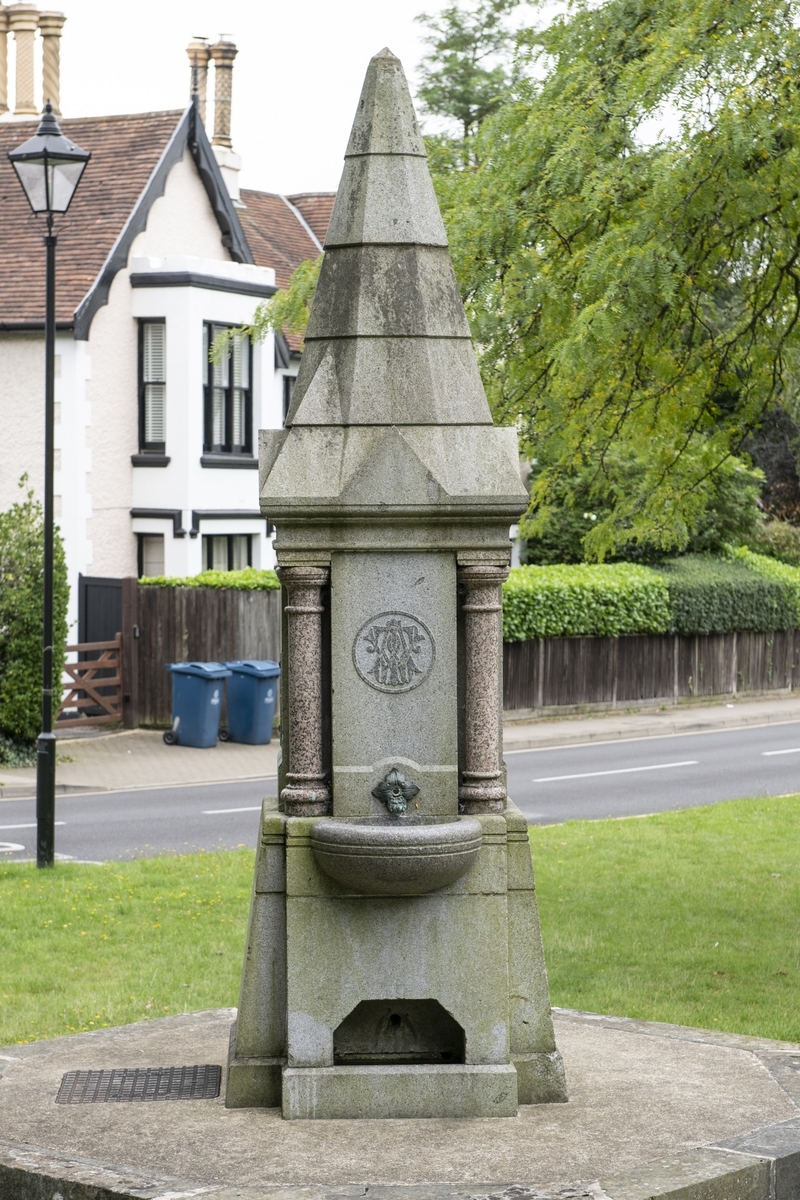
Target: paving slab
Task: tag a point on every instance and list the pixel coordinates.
(653, 1111)
(139, 758)
(541, 732)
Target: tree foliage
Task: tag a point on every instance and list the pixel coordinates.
(469, 68)
(21, 616)
(635, 295)
(286, 312)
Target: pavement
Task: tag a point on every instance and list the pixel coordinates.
(654, 1110)
(139, 758)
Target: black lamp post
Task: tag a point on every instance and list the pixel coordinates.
(49, 167)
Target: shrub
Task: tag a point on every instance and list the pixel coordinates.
(21, 597)
(717, 595)
(247, 580)
(602, 600)
(770, 568)
(777, 539)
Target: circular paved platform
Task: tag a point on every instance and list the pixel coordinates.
(653, 1109)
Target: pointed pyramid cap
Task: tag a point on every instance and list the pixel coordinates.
(386, 196)
(385, 119)
(388, 341)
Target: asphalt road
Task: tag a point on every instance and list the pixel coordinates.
(99, 826)
(647, 775)
(616, 779)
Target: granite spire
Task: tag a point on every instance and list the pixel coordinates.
(388, 409)
(388, 341)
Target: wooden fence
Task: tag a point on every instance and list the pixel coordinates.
(555, 672)
(163, 625)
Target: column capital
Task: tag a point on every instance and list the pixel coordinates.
(51, 23)
(223, 52)
(483, 574)
(200, 51)
(3, 19)
(23, 18)
(303, 576)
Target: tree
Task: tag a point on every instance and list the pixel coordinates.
(468, 71)
(21, 599)
(635, 296)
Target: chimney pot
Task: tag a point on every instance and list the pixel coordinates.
(3, 60)
(51, 24)
(199, 56)
(23, 21)
(223, 53)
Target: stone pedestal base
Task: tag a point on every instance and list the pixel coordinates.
(252, 1082)
(439, 1090)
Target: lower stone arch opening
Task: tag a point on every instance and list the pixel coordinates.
(398, 1031)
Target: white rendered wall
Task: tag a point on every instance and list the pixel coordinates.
(21, 413)
(185, 484)
(22, 416)
(179, 222)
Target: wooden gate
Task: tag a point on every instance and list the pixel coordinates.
(94, 683)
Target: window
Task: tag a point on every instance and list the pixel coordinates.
(227, 396)
(151, 554)
(288, 388)
(228, 552)
(152, 387)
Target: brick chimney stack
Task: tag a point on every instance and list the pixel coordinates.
(3, 60)
(23, 21)
(50, 25)
(223, 53)
(199, 57)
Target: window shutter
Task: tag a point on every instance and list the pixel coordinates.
(155, 403)
(155, 358)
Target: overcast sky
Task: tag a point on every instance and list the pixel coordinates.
(296, 79)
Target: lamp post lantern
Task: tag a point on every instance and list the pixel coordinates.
(49, 166)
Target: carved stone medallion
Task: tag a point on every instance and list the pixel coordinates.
(394, 652)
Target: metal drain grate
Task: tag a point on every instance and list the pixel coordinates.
(135, 1084)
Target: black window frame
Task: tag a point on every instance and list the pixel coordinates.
(210, 329)
(288, 390)
(230, 536)
(140, 551)
(146, 447)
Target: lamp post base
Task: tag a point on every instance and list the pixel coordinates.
(45, 799)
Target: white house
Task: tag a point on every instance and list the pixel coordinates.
(156, 457)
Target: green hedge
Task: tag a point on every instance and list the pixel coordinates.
(584, 599)
(719, 595)
(247, 580)
(770, 568)
(692, 594)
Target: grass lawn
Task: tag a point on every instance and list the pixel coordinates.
(691, 917)
(86, 946)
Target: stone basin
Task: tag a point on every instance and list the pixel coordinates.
(396, 856)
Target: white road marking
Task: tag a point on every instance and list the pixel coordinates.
(769, 753)
(33, 826)
(690, 762)
(213, 812)
(10, 847)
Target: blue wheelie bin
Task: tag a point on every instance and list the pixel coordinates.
(252, 692)
(196, 703)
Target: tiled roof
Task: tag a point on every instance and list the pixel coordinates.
(316, 209)
(125, 151)
(276, 237)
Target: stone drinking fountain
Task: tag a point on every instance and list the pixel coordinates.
(394, 962)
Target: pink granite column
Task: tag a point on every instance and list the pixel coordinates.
(482, 788)
(307, 792)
